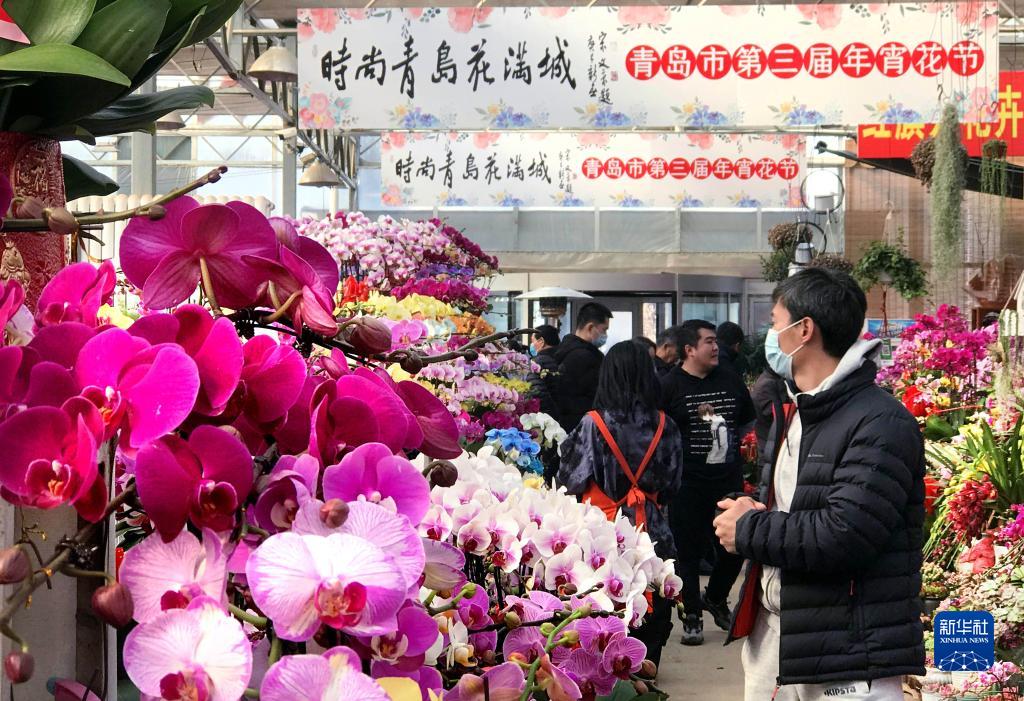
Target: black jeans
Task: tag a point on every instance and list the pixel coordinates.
(690, 517)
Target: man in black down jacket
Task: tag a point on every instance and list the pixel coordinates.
(830, 602)
(543, 345)
(579, 364)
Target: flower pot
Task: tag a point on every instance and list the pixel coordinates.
(884, 279)
(35, 169)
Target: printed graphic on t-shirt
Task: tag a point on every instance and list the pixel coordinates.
(699, 440)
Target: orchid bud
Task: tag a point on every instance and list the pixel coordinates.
(367, 335)
(60, 221)
(28, 208)
(569, 589)
(468, 591)
(546, 629)
(113, 604)
(571, 638)
(444, 474)
(156, 212)
(640, 687)
(334, 513)
(512, 620)
(648, 669)
(14, 565)
(18, 666)
(412, 363)
(472, 356)
(585, 610)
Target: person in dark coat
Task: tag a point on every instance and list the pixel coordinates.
(730, 340)
(830, 604)
(627, 404)
(698, 381)
(666, 353)
(543, 345)
(579, 364)
(768, 390)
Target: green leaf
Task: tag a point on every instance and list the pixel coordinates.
(50, 21)
(937, 429)
(137, 112)
(180, 19)
(125, 32)
(82, 180)
(158, 60)
(62, 59)
(218, 12)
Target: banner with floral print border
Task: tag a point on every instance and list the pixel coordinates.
(642, 66)
(590, 169)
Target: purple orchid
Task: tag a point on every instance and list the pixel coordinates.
(205, 480)
(444, 568)
(162, 576)
(76, 293)
(428, 678)
(127, 380)
(405, 647)
(166, 258)
(318, 257)
(212, 343)
(558, 685)
(597, 632)
(197, 653)
(336, 674)
(623, 656)
(343, 581)
(373, 473)
(584, 668)
(389, 531)
(49, 459)
(290, 280)
(12, 297)
(26, 381)
(502, 683)
(292, 482)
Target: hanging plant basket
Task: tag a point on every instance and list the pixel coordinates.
(923, 160)
(775, 265)
(831, 261)
(788, 234)
(885, 264)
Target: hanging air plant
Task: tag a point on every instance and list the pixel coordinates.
(923, 160)
(948, 179)
(993, 170)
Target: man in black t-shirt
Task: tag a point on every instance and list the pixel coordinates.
(700, 381)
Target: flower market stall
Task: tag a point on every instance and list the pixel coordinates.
(330, 493)
(965, 387)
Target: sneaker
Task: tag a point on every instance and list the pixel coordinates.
(693, 630)
(719, 610)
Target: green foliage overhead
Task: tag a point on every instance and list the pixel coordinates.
(882, 260)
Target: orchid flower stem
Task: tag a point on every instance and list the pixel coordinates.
(75, 572)
(204, 270)
(596, 587)
(283, 309)
(275, 650)
(553, 641)
(430, 599)
(9, 632)
(60, 557)
(272, 292)
(251, 693)
(246, 617)
(39, 557)
(465, 593)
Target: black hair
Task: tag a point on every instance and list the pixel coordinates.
(730, 333)
(670, 337)
(689, 333)
(548, 333)
(592, 313)
(627, 379)
(645, 343)
(833, 300)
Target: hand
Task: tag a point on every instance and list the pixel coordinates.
(725, 523)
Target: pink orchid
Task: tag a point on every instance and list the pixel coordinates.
(336, 674)
(555, 535)
(444, 568)
(623, 656)
(619, 579)
(170, 575)
(584, 668)
(195, 653)
(318, 257)
(212, 343)
(596, 633)
(26, 381)
(292, 431)
(165, 258)
(62, 343)
(556, 683)
(502, 683)
(373, 473)
(205, 480)
(12, 297)
(565, 568)
(273, 376)
(405, 647)
(292, 482)
(127, 380)
(76, 293)
(440, 432)
(407, 333)
(474, 537)
(290, 280)
(49, 459)
(436, 524)
(341, 580)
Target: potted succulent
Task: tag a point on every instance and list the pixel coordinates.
(72, 78)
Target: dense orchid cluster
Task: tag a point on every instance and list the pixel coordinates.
(455, 292)
(967, 509)
(517, 447)
(941, 363)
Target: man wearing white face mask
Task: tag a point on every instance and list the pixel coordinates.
(579, 364)
(830, 602)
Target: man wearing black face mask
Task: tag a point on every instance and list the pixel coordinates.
(579, 364)
(830, 602)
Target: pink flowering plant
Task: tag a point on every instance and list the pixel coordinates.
(295, 522)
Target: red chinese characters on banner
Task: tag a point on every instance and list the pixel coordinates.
(899, 140)
(856, 60)
(680, 168)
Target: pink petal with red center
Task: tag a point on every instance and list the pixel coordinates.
(283, 578)
(273, 375)
(33, 434)
(166, 474)
(208, 230)
(224, 458)
(145, 243)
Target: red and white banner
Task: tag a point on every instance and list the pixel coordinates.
(489, 169)
(1000, 117)
(642, 66)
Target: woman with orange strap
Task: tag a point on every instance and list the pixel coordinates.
(626, 456)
